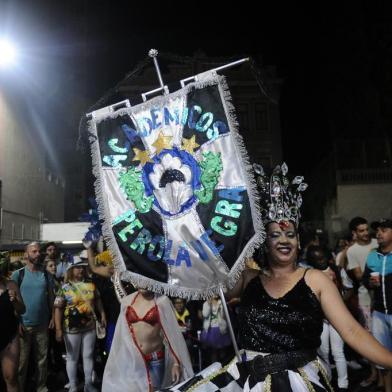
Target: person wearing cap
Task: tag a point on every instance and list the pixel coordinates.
(378, 277)
(76, 304)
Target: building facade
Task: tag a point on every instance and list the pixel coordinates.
(354, 180)
(30, 192)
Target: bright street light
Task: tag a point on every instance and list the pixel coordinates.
(7, 53)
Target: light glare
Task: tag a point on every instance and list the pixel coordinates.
(7, 53)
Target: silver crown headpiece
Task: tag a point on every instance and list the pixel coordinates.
(281, 198)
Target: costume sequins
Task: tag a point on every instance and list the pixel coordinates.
(292, 322)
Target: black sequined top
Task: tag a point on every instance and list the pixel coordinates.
(9, 322)
(289, 323)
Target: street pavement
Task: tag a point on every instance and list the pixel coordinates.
(58, 379)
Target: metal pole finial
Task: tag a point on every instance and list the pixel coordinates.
(153, 53)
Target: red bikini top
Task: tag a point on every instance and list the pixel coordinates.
(151, 317)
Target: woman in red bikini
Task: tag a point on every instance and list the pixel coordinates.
(148, 350)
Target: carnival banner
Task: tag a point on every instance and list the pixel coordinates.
(175, 190)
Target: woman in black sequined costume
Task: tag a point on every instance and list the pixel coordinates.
(281, 313)
(11, 304)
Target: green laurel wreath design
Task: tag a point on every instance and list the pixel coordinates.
(132, 185)
(211, 167)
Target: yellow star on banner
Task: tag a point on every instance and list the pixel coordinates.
(190, 144)
(141, 156)
(162, 142)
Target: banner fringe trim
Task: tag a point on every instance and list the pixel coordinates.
(205, 79)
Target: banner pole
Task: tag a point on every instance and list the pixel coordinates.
(153, 53)
(226, 311)
(118, 288)
(230, 65)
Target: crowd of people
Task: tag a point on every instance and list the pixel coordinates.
(294, 306)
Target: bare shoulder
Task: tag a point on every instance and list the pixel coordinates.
(316, 276)
(316, 280)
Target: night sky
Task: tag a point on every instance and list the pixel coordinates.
(332, 60)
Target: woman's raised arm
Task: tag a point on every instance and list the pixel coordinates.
(340, 317)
